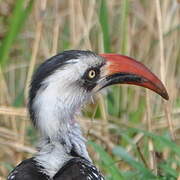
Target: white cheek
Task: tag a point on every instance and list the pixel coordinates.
(44, 106)
(57, 103)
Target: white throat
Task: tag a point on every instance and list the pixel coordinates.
(55, 108)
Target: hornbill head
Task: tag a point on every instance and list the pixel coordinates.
(79, 74)
(65, 82)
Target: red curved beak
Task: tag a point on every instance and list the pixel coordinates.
(125, 70)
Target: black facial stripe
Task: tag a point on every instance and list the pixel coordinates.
(88, 85)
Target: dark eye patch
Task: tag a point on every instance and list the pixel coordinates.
(87, 76)
(88, 82)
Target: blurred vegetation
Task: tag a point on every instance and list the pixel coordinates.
(134, 134)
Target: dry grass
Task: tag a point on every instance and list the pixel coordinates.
(150, 33)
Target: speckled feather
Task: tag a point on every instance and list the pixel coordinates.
(78, 169)
(75, 169)
(28, 170)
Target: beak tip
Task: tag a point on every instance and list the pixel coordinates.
(165, 95)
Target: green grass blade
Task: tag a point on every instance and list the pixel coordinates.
(16, 22)
(103, 18)
(18, 102)
(124, 26)
(119, 151)
(108, 162)
(167, 169)
(164, 141)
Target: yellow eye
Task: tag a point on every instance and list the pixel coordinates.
(91, 74)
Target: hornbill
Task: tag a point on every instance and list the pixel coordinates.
(60, 87)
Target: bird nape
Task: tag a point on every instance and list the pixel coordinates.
(59, 89)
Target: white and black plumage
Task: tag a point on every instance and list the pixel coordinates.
(59, 89)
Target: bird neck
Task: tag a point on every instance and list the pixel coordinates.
(56, 121)
(54, 153)
(51, 157)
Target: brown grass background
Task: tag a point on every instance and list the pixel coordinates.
(150, 33)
